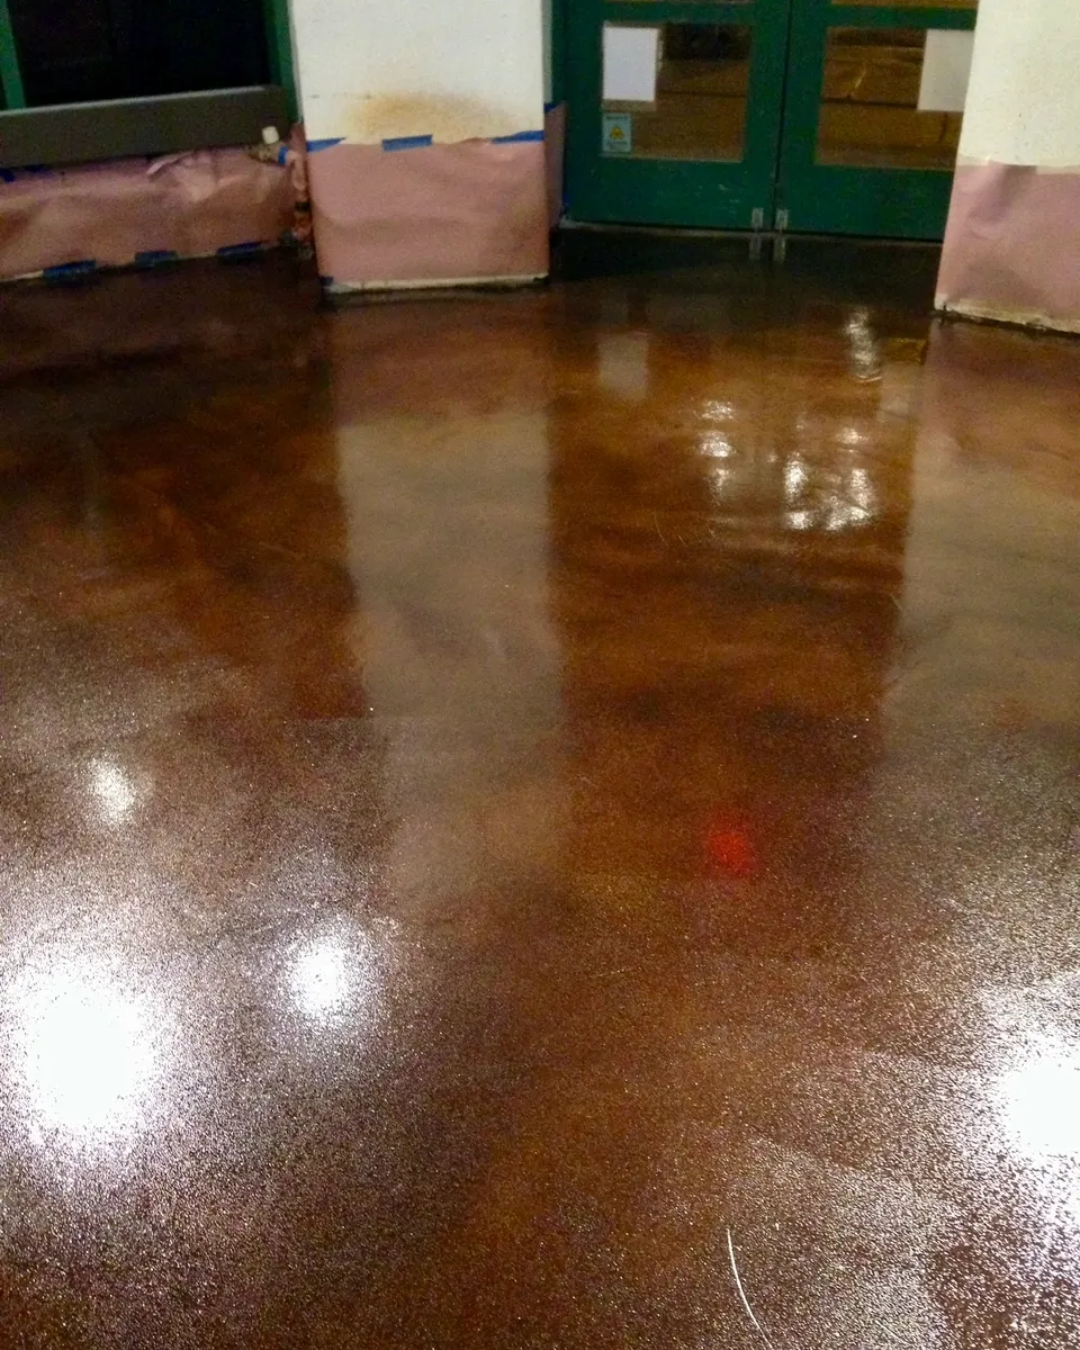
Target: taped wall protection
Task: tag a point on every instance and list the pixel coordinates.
(475, 210)
(139, 211)
(1011, 246)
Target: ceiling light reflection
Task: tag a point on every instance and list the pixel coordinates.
(320, 979)
(863, 347)
(331, 975)
(716, 445)
(87, 1050)
(796, 478)
(856, 506)
(1039, 1104)
(720, 477)
(849, 503)
(112, 788)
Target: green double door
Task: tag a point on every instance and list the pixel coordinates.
(798, 115)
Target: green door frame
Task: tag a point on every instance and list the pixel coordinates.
(12, 94)
(833, 199)
(703, 193)
(282, 62)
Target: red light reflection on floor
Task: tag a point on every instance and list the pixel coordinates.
(730, 847)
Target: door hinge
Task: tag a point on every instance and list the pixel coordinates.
(757, 224)
(783, 220)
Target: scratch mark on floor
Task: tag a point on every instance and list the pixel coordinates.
(742, 1294)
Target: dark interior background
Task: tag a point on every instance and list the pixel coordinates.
(77, 51)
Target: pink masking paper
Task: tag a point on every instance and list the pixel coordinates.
(1011, 246)
(191, 204)
(470, 211)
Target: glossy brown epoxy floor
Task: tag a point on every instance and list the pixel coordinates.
(509, 804)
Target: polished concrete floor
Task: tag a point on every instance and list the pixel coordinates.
(548, 820)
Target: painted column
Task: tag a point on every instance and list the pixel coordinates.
(425, 127)
(553, 12)
(1013, 240)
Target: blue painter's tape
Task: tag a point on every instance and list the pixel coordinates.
(240, 250)
(327, 143)
(155, 257)
(407, 142)
(7, 175)
(550, 107)
(518, 136)
(71, 271)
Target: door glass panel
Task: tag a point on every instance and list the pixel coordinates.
(78, 51)
(698, 108)
(870, 110)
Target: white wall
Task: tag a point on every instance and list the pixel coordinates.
(451, 69)
(1023, 103)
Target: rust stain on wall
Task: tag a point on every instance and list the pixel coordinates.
(380, 117)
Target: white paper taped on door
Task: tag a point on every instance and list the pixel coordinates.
(631, 59)
(946, 70)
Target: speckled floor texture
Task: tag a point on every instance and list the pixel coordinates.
(545, 820)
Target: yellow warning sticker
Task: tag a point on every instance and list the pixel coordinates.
(618, 133)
